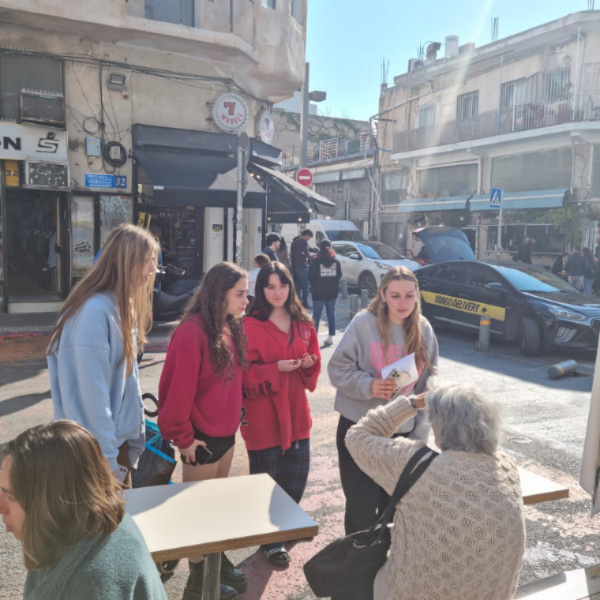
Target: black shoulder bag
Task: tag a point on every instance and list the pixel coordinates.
(352, 561)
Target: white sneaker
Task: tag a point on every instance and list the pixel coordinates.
(328, 341)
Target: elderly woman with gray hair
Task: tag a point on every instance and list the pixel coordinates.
(459, 533)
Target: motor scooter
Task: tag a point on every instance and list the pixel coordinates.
(171, 293)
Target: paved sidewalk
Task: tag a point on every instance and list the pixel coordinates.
(15, 326)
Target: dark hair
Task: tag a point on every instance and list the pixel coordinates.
(63, 483)
(262, 309)
(209, 301)
(272, 237)
(307, 232)
(324, 247)
(261, 259)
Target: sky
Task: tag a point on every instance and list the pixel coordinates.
(348, 40)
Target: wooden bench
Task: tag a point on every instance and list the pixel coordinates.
(570, 585)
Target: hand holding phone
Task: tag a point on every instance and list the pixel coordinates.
(195, 454)
(399, 377)
(120, 473)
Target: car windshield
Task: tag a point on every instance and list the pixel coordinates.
(534, 280)
(442, 248)
(378, 251)
(345, 235)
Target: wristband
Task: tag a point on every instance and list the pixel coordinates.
(411, 399)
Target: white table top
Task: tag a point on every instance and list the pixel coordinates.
(204, 517)
(536, 488)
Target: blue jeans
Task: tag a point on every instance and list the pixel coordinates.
(329, 309)
(301, 274)
(587, 284)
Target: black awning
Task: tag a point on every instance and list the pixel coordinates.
(287, 191)
(190, 178)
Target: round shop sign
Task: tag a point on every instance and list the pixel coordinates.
(230, 112)
(266, 127)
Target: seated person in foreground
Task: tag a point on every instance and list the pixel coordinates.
(459, 533)
(59, 498)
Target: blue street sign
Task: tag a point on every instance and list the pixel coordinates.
(101, 180)
(495, 198)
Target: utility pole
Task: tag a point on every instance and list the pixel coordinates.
(307, 96)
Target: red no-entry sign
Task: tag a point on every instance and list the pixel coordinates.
(304, 177)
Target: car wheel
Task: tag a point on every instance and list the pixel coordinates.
(530, 339)
(366, 281)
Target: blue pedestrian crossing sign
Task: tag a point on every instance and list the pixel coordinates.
(495, 198)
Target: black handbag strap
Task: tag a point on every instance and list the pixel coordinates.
(414, 468)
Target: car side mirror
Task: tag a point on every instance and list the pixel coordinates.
(354, 256)
(496, 285)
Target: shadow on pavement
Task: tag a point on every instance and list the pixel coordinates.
(13, 405)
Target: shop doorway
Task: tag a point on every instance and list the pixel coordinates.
(34, 259)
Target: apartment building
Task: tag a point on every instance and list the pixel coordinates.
(132, 111)
(521, 115)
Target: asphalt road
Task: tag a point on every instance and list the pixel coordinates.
(545, 423)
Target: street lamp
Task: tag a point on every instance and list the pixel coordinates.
(315, 96)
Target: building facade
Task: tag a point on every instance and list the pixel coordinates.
(520, 115)
(131, 111)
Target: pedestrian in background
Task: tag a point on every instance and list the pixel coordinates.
(559, 263)
(93, 347)
(200, 394)
(284, 361)
(524, 250)
(300, 264)
(575, 268)
(390, 328)
(273, 243)
(260, 260)
(59, 499)
(283, 255)
(589, 272)
(324, 276)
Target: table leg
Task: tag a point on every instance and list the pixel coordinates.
(212, 577)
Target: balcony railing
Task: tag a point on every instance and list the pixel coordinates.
(331, 149)
(524, 117)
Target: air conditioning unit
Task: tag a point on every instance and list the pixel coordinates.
(42, 108)
(414, 64)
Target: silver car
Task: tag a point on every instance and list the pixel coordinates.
(365, 263)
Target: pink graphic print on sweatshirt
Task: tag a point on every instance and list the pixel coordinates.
(394, 353)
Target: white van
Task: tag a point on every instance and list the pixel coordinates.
(323, 229)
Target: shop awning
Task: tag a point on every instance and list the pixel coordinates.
(287, 198)
(195, 179)
(481, 202)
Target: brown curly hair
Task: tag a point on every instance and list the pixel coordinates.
(210, 303)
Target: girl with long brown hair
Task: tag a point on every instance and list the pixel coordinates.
(391, 327)
(200, 394)
(94, 345)
(284, 361)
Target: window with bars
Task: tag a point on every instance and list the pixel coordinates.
(508, 92)
(557, 84)
(467, 105)
(427, 115)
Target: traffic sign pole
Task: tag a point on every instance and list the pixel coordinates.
(496, 197)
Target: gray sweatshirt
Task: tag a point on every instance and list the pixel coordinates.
(358, 360)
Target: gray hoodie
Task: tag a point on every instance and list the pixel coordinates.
(358, 360)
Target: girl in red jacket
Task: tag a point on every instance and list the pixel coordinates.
(200, 394)
(284, 361)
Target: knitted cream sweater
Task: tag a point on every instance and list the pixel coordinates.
(459, 533)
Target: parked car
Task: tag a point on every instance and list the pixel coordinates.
(527, 304)
(323, 229)
(365, 263)
(443, 244)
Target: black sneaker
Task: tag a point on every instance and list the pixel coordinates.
(193, 588)
(232, 576)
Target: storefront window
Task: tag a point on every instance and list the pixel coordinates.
(547, 170)
(114, 210)
(460, 180)
(547, 238)
(82, 226)
(394, 187)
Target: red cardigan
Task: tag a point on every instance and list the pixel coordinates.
(275, 406)
(188, 392)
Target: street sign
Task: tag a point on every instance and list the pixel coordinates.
(496, 198)
(102, 180)
(304, 177)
